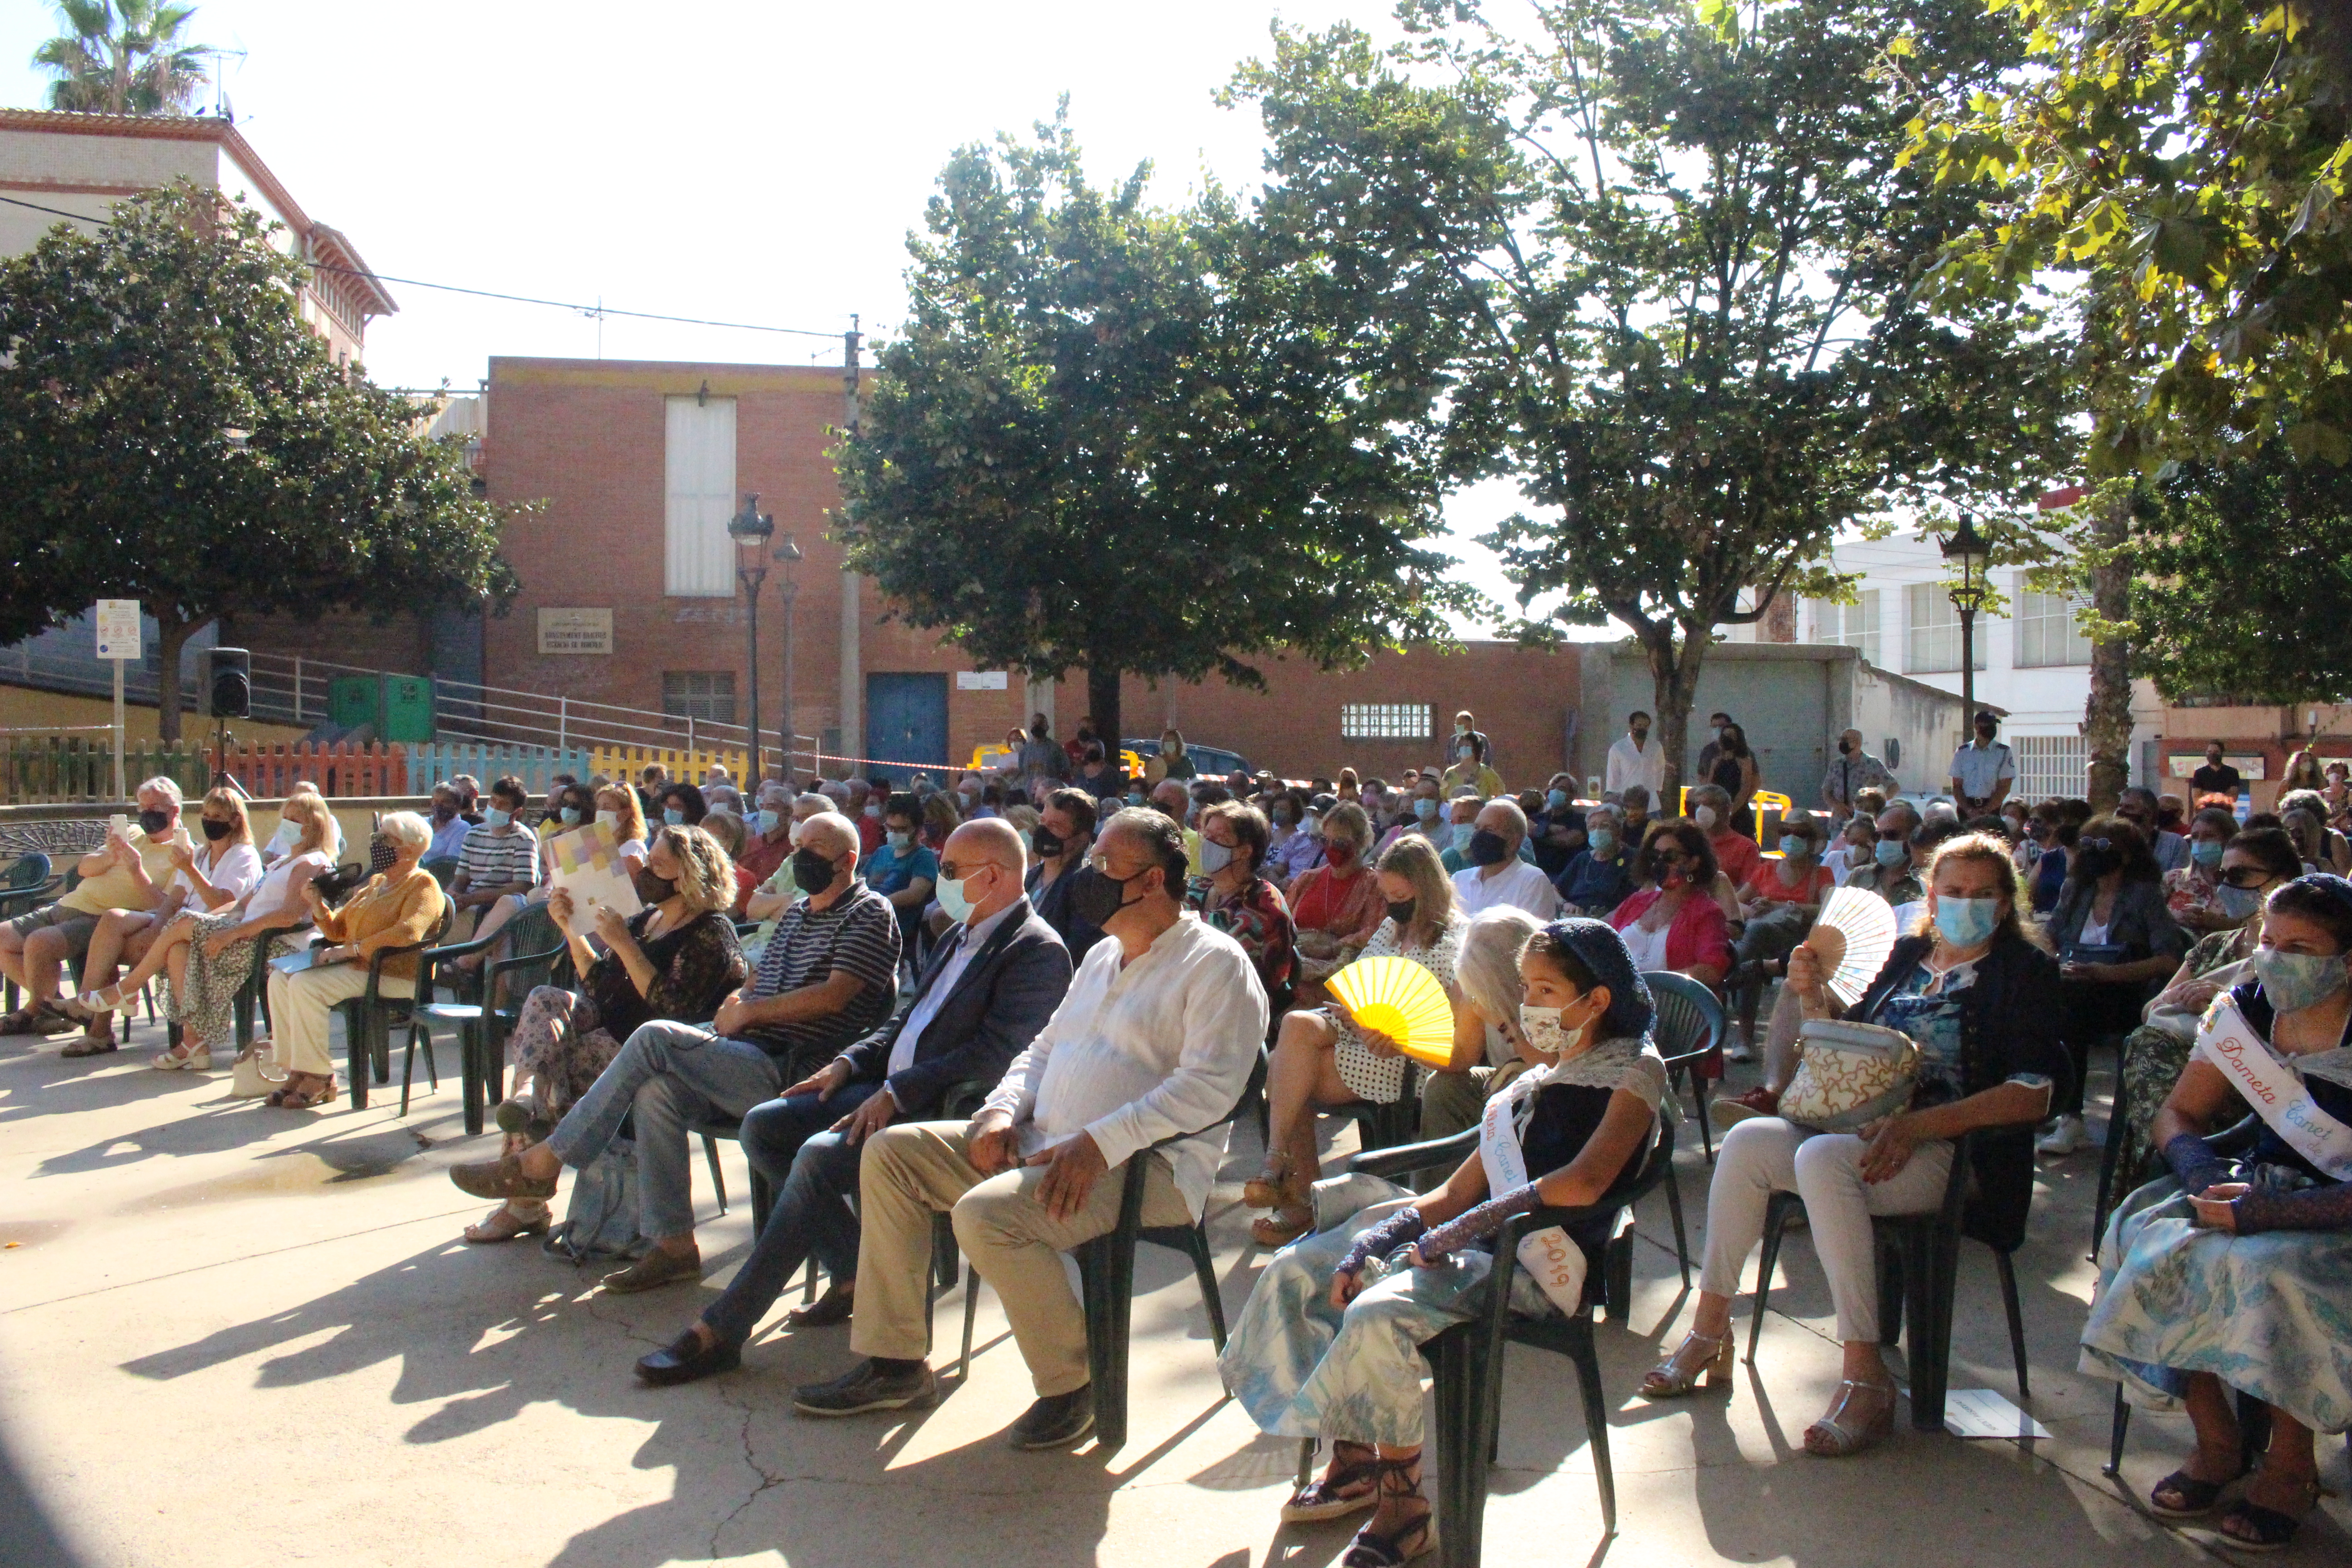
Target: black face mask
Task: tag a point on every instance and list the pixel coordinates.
(1402, 913)
(1043, 839)
(1845, 748)
(151, 823)
(1984, 731)
(812, 871)
(1488, 848)
(2094, 859)
(651, 889)
(217, 831)
(443, 812)
(381, 854)
(1096, 897)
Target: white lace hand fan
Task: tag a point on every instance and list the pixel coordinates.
(1852, 939)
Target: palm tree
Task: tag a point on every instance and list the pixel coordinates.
(122, 56)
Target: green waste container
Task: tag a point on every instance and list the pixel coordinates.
(407, 708)
(355, 700)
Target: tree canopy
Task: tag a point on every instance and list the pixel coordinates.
(1145, 441)
(170, 431)
(1682, 246)
(122, 56)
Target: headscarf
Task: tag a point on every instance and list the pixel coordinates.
(1597, 944)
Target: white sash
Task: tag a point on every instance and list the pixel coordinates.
(1556, 1261)
(2273, 1089)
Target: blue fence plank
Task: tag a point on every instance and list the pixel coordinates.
(536, 766)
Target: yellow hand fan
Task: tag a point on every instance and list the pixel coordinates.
(1852, 936)
(1399, 998)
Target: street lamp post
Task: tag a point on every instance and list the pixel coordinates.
(750, 530)
(789, 554)
(1969, 551)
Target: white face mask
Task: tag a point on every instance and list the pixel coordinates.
(609, 818)
(1548, 1035)
(1705, 817)
(289, 834)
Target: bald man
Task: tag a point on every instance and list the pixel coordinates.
(828, 975)
(990, 984)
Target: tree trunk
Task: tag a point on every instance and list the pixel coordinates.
(172, 635)
(1674, 686)
(2106, 716)
(1102, 707)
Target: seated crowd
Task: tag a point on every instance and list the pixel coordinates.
(984, 1000)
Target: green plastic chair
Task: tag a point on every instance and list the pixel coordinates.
(1689, 1031)
(533, 945)
(370, 1019)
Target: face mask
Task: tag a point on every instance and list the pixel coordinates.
(1705, 817)
(2238, 902)
(2092, 861)
(1135, 797)
(2294, 981)
(609, 818)
(1641, 737)
(217, 831)
(1401, 912)
(1892, 852)
(1556, 798)
(1096, 897)
(1845, 748)
(953, 900)
(380, 854)
(152, 823)
(1425, 809)
(672, 816)
(1168, 748)
(1215, 857)
(498, 818)
(1284, 816)
(1045, 841)
(2206, 852)
(1488, 847)
(1716, 734)
(571, 816)
(1465, 752)
(651, 889)
(812, 871)
(444, 811)
(1964, 922)
(1461, 729)
(1984, 733)
(763, 823)
(1603, 842)
(289, 834)
(1339, 854)
(1795, 847)
(1547, 1035)
(898, 840)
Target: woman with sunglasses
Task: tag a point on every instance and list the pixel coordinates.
(2114, 939)
(1675, 922)
(2254, 862)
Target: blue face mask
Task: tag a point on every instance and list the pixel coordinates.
(764, 821)
(1792, 845)
(498, 818)
(674, 816)
(1964, 922)
(1893, 852)
(952, 901)
(2206, 852)
(1425, 809)
(1135, 797)
(571, 816)
(1556, 798)
(1603, 841)
(2294, 981)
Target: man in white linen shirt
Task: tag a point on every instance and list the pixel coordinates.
(1155, 1039)
(1495, 874)
(1633, 761)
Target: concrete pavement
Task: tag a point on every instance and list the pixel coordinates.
(233, 1334)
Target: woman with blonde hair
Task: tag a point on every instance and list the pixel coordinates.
(675, 958)
(617, 807)
(1979, 998)
(1323, 1058)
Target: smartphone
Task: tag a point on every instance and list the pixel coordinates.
(118, 825)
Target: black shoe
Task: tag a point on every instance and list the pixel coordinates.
(686, 1359)
(832, 1307)
(1056, 1421)
(866, 1387)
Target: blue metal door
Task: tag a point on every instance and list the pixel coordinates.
(907, 719)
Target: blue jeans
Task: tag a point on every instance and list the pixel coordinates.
(815, 1170)
(667, 1077)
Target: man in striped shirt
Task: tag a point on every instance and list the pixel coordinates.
(829, 974)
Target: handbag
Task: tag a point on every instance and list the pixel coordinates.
(249, 1077)
(1849, 1075)
(600, 1225)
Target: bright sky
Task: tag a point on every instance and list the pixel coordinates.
(753, 162)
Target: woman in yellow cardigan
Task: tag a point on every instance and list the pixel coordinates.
(399, 907)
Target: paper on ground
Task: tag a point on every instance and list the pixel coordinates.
(1981, 1412)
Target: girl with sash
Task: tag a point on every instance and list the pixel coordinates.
(1327, 1345)
(2222, 1276)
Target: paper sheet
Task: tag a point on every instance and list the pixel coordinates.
(588, 866)
(1981, 1412)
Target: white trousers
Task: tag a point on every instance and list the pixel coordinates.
(299, 1005)
(1765, 1155)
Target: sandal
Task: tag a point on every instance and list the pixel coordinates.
(304, 1092)
(1350, 1486)
(1836, 1435)
(92, 1046)
(197, 1057)
(1672, 1377)
(2196, 1496)
(504, 1225)
(105, 999)
(1413, 1539)
(2263, 1529)
(1283, 1226)
(1270, 1188)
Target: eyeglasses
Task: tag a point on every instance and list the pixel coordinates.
(2244, 878)
(2095, 844)
(954, 872)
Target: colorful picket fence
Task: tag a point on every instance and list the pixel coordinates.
(49, 769)
(536, 766)
(342, 768)
(688, 763)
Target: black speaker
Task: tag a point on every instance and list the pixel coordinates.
(228, 682)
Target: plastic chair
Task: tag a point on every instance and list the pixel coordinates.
(1919, 1264)
(482, 1026)
(442, 869)
(369, 1017)
(1689, 1030)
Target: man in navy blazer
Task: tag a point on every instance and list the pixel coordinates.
(990, 984)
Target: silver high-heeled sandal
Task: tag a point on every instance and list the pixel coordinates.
(1836, 1435)
(1671, 1378)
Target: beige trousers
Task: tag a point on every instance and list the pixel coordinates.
(1452, 1102)
(916, 1169)
(298, 1007)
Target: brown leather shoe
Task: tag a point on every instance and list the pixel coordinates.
(832, 1307)
(500, 1178)
(655, 1269)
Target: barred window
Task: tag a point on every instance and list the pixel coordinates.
(2050, 765)
(2047, 631)
(1933, 632)
(1855, 626)
(707, 696)
(1384, 721)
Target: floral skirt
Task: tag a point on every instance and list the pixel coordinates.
(558, 1044)
(2269, 1314)
(205, 1001)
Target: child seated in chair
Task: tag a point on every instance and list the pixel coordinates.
(1329, 1342)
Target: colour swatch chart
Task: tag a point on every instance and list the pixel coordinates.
(588, 866)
